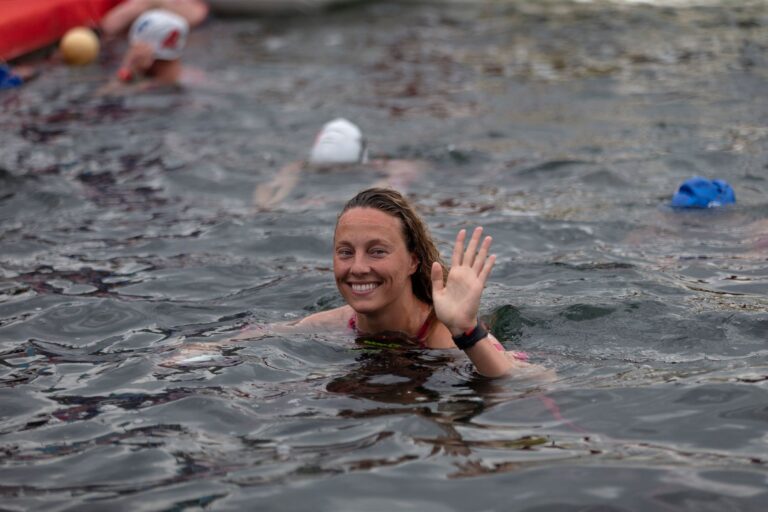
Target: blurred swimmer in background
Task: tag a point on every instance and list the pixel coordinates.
(122, 16)
(703, 209)
(339, 147)
(156, 42)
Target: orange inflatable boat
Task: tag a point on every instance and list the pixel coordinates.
(28, 25)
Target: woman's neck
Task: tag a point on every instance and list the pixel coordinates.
(406, 316)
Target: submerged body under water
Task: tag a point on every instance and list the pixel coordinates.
(128, 235)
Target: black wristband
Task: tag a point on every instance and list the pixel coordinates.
(467, 340)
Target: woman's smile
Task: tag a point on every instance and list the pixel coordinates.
(363, 288)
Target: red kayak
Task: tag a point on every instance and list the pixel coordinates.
(28, 25)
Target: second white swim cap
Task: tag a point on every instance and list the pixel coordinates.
(339, 142)
(163, 30)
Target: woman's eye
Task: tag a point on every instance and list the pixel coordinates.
(379, 252)
(344, 253)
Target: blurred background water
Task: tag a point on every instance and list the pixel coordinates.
(127, 233)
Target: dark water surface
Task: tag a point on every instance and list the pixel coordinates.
(127, 235)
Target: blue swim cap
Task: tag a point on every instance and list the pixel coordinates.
(699, 192)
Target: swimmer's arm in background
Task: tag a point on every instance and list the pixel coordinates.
(130, 77)
(120, 17)
(117, 87)
(457, 300)
(270, 194)
(398, 174)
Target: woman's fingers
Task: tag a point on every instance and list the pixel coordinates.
(458, 247)
(486, 270)
(476, 259)
(471, 257)
(469, 254)
(482, 254)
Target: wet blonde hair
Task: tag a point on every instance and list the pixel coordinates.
(417, 237)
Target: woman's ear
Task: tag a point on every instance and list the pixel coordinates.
(414, 264)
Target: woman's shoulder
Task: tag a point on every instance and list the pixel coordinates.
(333, 319)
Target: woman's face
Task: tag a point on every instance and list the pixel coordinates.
(371, 263)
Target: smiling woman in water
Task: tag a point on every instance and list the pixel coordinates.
(388, 270)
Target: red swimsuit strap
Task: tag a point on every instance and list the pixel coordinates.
(421, 335)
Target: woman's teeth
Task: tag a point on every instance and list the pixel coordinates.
(361, 288)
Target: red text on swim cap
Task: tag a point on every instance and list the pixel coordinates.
(172, 40)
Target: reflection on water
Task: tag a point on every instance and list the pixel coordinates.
(131, 252)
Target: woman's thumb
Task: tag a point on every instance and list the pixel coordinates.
(437, 277)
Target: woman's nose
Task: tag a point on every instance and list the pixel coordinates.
(360, 265)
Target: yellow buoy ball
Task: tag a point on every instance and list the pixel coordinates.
(79, 46)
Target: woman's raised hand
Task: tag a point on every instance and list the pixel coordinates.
(457, 299)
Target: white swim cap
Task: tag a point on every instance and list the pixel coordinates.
(163, 30)
(339, 142)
